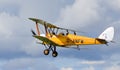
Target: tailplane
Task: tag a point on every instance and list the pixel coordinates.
(108, 34)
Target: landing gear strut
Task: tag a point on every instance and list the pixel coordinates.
(54, 52)
(51, 48)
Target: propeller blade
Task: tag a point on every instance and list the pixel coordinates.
(33, 32)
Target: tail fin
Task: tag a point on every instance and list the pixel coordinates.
(108, 34)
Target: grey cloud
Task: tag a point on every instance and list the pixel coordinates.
(93, 17)
(28, 64)
(17, 42)
(15, 29)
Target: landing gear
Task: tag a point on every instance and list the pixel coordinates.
(51, 48)
(46, 51)
(54, 54)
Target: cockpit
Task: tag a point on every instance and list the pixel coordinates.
(61, 34)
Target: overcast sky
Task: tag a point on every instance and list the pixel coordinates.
(19, 51)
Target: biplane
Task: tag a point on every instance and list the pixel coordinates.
(54, 38)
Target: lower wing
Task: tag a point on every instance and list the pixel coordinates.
(46, 40)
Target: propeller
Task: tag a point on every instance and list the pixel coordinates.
(33, 32)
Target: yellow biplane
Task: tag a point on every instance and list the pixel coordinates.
(53, 37)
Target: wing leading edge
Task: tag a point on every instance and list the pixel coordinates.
(42, 22)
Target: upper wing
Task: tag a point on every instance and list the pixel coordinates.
(46, 40)
(43, 23)
(48, 24)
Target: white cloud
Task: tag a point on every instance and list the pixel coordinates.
(12, 25)
(93, 62)
(93, 16)
(88, 68)
(115, 57)
(112, 62)
(27, 64)
(15, 34)
(43, 9)
(8, 24)
(68, 68)
(80, 14)
(114, 67)
(5, 22)
(33, 49)
(114, 4)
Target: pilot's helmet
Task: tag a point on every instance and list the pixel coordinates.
(61, 33)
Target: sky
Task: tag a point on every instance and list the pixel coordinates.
(19, 51)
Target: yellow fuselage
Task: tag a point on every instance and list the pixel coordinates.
(71, 39)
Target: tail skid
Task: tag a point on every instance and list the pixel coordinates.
(108, 34)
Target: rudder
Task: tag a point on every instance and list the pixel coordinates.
(108, 34)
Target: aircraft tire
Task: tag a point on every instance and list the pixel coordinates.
(54, 54)
(46, 51)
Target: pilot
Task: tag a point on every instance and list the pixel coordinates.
(53, 33)
(67, 33)
(62, 34)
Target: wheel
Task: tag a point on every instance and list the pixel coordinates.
(46, 51)
(54, 54)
